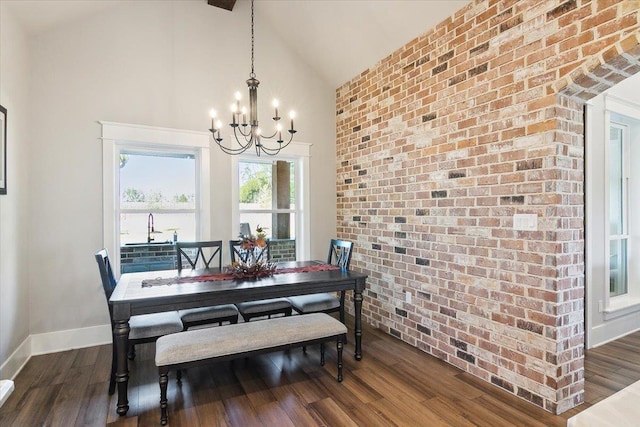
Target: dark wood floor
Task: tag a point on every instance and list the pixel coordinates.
(394, 384)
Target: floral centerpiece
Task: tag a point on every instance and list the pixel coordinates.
(250, 263)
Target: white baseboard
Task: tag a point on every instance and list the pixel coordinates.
(17, 360)
(6, 388)
(54, 342)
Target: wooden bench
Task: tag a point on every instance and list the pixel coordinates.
(216, 344)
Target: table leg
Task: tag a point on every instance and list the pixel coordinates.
(121, 334)
(357, 301)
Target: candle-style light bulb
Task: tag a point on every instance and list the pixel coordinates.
(292, 115)
(234, 110)
(279, 129)
(275, 105)
(213, 115)
(244, 115)
(238, 96)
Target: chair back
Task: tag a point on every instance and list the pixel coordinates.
(194, 254)
(245, 229)
(106, 274)
(240, 254)
(340, 253)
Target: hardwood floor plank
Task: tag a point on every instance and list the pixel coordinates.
(272, 414)
(349, 402)
(398, 414)
(294, 406)
(36, 405)
(65, 409)
(448, 411)
(213, 414)
(332, 414)
(241, 413)
(94, 405)
(102, 366)
(389, 386)
(509, 413)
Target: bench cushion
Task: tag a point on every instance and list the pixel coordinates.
(201, 344)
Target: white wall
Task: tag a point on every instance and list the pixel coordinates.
(159, 63)
(14, 229)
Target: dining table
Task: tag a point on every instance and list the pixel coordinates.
(168, 290)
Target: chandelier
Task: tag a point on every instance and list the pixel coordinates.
(247, 134)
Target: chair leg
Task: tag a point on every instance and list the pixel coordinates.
(339, 347)
(342, 320)
(321, 354)
(112, 376)
(164, 381)
(132, 351)
(179, 376)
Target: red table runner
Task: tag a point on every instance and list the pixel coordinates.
(228, 276)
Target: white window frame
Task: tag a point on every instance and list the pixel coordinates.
(118, 136)
(619, 300)
(297, 153)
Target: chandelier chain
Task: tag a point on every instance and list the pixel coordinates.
(253, 74)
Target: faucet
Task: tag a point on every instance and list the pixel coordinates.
(150, 228)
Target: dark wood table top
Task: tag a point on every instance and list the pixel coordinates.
(130, 297)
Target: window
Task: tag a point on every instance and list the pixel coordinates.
(157, 196)
(618, 208)
(155, 182)
(274, 193)
(267, 198)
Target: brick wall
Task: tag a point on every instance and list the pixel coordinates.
(440, 144)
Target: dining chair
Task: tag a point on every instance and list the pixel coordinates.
(204, 255)
(340, 255)
(144, 327)
(267, 307)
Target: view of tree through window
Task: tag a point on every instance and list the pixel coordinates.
(157, 197)
(267, 197)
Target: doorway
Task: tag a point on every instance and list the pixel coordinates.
(612, 212)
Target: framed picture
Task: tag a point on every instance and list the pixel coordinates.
(3, 150)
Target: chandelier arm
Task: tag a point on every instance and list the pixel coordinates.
(237, 130)
(231, 151)
(273, 151)
(270, 136)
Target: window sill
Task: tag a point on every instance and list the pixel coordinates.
(621, 307)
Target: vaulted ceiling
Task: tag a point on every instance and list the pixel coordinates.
(338, 38)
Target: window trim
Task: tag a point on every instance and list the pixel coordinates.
(114, 137)
(624, 304)
(299, 153)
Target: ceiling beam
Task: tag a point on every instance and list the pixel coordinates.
(224, 4)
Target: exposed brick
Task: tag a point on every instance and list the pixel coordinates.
(440, 68)
(562, 9)
(401, 312)
(453, 145)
